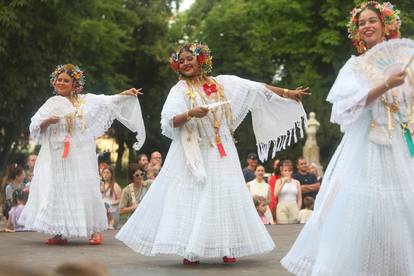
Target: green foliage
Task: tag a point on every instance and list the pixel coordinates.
(308, 37)
(124, 43)
(117, 43)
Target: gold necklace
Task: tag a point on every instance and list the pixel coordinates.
(225, 111)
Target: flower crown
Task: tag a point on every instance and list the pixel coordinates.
(73, 71)
(389, 16)
(200, 51)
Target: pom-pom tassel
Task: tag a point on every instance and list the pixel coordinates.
(66, 146)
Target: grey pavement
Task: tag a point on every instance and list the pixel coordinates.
(29, 251)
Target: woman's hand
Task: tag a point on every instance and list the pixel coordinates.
(49, 121)
(198, 112)
(395, 80)
(298, 93)
(286, 179)
(132, 92)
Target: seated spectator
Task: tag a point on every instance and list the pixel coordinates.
(261, 207)
(155, 161)
(316, 170)
(29, 177)
(16, 175)
(133, 193)
(143, 163)
(111, 193)
(249, 171)
(30, 164)
(259, 187)
(151, 175)
(308, 181)
(18, 202)
(304, 214)
(289, 195)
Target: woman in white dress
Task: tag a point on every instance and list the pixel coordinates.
(65, 198)
(363, 219)
(259, 187)
(199, 206)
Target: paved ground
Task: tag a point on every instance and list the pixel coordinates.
(28, 250)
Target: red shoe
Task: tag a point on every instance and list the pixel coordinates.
(228, 260)
(57, 240)
(188, 262)
(97, 240)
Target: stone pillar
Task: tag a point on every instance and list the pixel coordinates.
(311, 148)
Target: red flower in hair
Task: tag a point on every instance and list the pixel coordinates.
(201, 58)
(175, 66)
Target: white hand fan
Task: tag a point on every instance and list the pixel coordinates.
(386, 58)
(396, 108)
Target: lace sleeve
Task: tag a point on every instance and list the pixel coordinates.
(47, 110)
(101, 110)
(174, 105)
(276, 120)
(348, 96)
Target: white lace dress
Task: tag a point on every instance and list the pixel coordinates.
(363, 220)
(64, 195)
(203, 208)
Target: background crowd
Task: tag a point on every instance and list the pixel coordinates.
(283, 195)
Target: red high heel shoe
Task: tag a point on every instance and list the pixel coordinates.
(97, 240)
(57, 240)
(228, 260)
(188, 262)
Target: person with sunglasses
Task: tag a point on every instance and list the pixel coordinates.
(132, 194)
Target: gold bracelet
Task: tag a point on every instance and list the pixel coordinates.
(285, 93)
(188, 116)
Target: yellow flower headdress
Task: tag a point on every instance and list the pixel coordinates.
(389, 16)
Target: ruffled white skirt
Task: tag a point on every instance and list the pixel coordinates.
(64, 194)
(363, 220)
(212, 219)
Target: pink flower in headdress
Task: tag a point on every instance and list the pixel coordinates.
(388, 12)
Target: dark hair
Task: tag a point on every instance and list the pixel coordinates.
(111, 180)
(308, 202)
(132, 168)
(139, 157)
(19, 195)
(13, 171)
(371, 7)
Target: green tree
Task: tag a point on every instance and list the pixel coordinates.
(37, 36)
(307, 38)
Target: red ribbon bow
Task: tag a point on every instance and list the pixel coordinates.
(209, 89)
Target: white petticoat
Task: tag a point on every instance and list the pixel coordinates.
(363, 220)
(64, 194)
(193, 220)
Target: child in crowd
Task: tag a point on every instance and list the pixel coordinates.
(151, 175)
(304, 214)
(19, 200)
(261, 206)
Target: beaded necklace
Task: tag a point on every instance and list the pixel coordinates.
(196, 85)
(77, 103)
